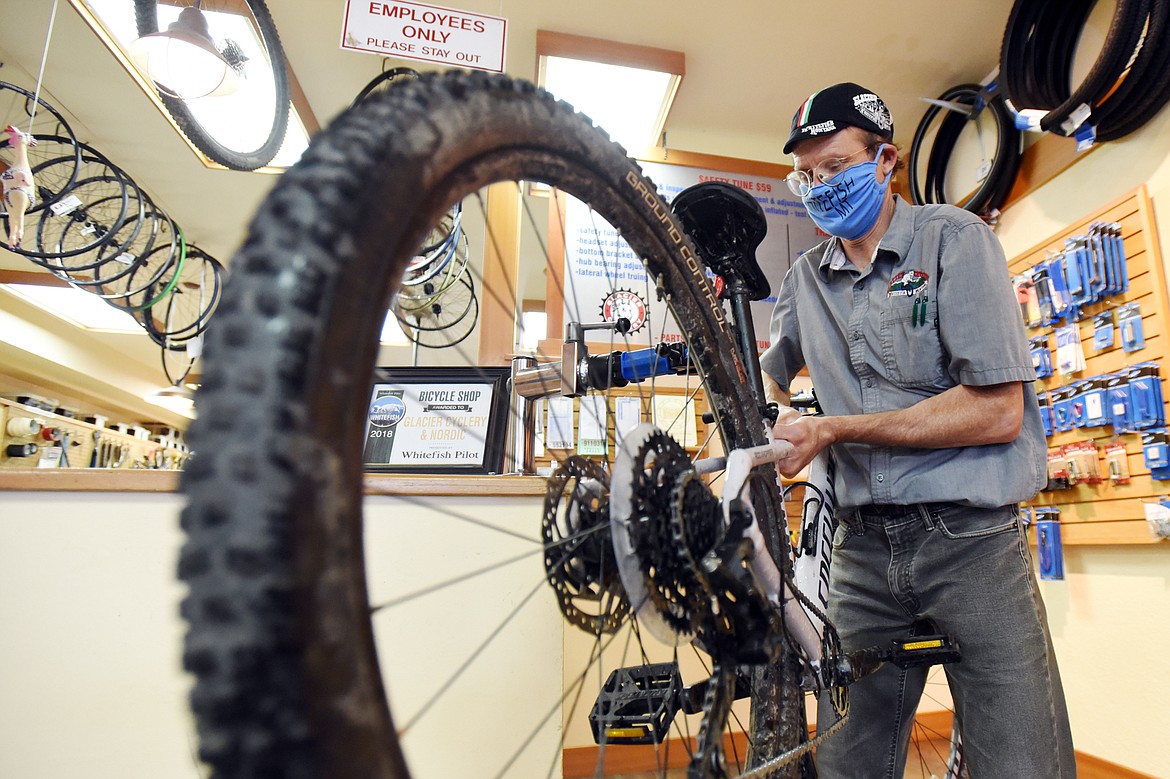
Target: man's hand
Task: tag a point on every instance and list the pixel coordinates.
(809, 435)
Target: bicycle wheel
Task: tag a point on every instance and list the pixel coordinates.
(281, 640)
(383, 81)
(446, 320)
(183, 313)
(936, 747)
(55, 141)
(264, 90)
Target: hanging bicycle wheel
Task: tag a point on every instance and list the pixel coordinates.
(184, 313)
(122, 255)
(178, 361)
(88, 219)
(445, 320)
(152, 274)
(246, 32)
(291, 628)
(55, 141)
(383, 81)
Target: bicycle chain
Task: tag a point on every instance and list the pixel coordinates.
(764, 770)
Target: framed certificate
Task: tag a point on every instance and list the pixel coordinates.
(437, 420)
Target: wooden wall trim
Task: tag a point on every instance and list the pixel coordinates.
(631, 55)
(499, 298)
(1043, 160)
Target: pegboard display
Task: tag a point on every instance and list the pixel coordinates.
(1101, 478)
(671, 401)
(32, 437)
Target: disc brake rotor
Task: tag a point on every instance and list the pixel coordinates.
(578, 558)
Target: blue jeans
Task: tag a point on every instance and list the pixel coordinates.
(969, 571)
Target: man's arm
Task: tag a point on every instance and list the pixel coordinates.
(961, 416)
(772, 391)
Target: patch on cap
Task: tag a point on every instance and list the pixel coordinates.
(834, 108)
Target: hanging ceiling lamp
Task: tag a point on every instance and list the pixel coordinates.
(183, 60)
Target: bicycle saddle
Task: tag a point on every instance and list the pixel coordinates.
(726, 224)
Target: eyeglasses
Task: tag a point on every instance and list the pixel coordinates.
(802, 181)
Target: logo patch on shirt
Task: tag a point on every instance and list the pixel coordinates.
(908, 282)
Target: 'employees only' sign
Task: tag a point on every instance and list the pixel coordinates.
(427, 33)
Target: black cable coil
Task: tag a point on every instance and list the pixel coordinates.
(1127, 85)
(929, 185)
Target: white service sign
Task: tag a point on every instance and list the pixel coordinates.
(428, 33)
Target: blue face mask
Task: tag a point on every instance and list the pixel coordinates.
(850, 209)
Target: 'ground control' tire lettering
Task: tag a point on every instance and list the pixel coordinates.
(662, 214)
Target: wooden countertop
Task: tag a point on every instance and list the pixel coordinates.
(124, 480)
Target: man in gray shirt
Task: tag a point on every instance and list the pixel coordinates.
(908, 325)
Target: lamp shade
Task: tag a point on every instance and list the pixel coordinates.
(183, 60)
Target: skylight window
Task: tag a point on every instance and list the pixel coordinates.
(627, 90)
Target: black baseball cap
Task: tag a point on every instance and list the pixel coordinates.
(837, 107)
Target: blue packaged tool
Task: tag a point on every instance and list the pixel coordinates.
(1078, 402)
(1145, 396)
(1118, 247)
(1063, 417)
(1045, 402)
(1043, 285)
(1060, 296)
(1129, 321)
(1041, 356)
(1156, 453)
(1094, 403)
(1103, 330)
(1097, 265)
(1073, 265)
(1117, 396)
(1049, 549)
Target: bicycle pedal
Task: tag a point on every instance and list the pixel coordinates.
(937, 649)
(636, 705)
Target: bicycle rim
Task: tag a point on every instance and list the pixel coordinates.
(281, 641)
(17, 107)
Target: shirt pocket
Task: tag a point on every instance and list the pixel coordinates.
(912, 353)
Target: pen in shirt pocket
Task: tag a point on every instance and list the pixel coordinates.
(918, 311)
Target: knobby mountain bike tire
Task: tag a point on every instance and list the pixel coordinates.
(146, 18)
(1037, 28)
(280, 642)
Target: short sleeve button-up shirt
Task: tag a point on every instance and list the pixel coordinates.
(934, 309)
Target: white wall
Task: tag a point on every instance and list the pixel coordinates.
(90, 638)
(90, 682)
(1110, 617)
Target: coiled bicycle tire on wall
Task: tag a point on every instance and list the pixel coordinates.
(930, 186)
(1146, 88)
(146, 17)
(1037, 51)
(287, 682)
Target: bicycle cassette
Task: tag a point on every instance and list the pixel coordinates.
(663, 521)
